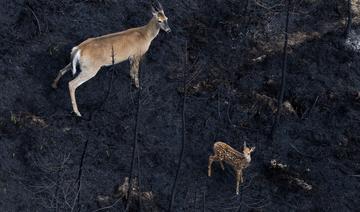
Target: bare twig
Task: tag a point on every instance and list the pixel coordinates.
(35, 16)
(294, 147)
(108, 207)
(198, 69)
(283, 71)
(256, 206)
(77, 197)
(263, 5)
(195, 200)
(135, 153)
(183, 133)
(303, 154)
(112, 77)
(286, 202)
(312, 106)
(204, 201)
(218, 105)
(349, 20)
(138, 164)
(228, 113)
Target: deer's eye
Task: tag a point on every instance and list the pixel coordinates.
(159, 21)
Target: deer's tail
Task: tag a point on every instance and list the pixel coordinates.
(75, 57)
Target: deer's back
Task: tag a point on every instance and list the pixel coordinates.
(228, 154)
(120, 45)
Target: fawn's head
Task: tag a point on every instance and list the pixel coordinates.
(158, 13)
(247, 150)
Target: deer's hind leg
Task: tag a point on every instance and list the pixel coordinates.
(60, 74)
(222, 165)
(87, 72)
(213, 158)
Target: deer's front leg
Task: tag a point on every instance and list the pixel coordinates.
(238, 178)
(211, 160)
(134, 70)
(241, 177)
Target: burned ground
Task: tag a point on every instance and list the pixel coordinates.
(234, 57)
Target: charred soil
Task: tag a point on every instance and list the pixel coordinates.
(54, 161)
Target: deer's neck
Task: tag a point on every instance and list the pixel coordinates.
(247, 158)
(152, 28)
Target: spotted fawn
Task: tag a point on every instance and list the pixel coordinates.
(239, 161)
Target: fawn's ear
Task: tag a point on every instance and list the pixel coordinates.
(252, 149)
(244, 144)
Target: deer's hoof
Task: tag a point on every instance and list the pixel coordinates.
(77, 113)
(54, 85)
(136, 83)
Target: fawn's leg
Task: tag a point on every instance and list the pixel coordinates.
(211, 160)
(85, 74)
(241, 176)
(60, 74)
(238, 178)
(222, 165)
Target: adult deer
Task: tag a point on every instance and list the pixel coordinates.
(94, 53)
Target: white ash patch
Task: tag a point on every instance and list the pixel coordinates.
(353, 41)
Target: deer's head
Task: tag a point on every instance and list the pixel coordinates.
(247, 151)
(158, 13)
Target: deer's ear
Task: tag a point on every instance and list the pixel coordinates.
(153, 11)
(244, 144)
(252, 149)
(160, 6)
